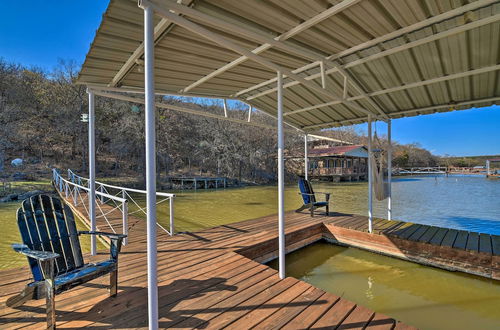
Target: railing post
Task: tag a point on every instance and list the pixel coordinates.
(75, 199)
(171, 209)
(102, 192)
(66, 189)
(125, 221)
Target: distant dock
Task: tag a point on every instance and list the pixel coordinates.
(196, 183)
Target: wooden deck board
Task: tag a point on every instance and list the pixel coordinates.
(461, 240)
(204, 281)
(335, 315)
(427, 236)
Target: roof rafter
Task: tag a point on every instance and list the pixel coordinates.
(390, 36)
(405, 112)
(193, 27)
(298, 50)
(403, 87)
(296, 30)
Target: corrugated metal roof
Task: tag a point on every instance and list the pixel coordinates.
(408, 57)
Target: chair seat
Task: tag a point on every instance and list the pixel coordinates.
(320, 203)
(84, 274)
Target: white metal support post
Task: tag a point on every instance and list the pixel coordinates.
(149, 95)
(225, 107)
(389, 170)
(306, 160)
(281, 181)
(93, 241)
(370, 188)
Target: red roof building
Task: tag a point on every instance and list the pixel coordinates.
(338, 163)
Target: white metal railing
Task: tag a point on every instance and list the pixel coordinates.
(73, 189)
(104, 190)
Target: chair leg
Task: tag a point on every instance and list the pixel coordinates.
(327, 209)
(48, 271)
(312, 210)
(113, 283)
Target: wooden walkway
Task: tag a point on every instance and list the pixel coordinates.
(206, 280)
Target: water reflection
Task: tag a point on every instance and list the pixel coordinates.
(426, 297)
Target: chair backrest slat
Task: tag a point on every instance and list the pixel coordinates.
(50, 224)
(30, 237)
(46, 225)
(306, 191)
(311, 191)
(69, 234)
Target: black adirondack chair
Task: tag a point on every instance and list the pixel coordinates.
(309, 198)
(51, 243)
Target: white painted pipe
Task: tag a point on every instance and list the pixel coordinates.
(281, 181)
(225, 107)
(306, 160)
(125, 221)
(149, 95)
(93, 241)
(370, 188)
(389, 170)
(171, 208)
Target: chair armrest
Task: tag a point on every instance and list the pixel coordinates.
(35, 254)
(327, 195)
(101, 233)
(116, 241)
(306, 194)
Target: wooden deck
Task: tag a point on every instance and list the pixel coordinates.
(214, 279)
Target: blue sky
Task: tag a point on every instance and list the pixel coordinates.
(41, 32)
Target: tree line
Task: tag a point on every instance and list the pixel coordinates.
(40, 120)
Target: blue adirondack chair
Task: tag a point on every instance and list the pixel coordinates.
(309, 197)
(51, 243)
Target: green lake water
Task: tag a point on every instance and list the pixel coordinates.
(469, 203)
(425, 297)
(462, 202)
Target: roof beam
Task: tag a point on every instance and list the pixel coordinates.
(405, 112)
(298, 50)
(411, 28)
(195, 28)
(104, 90)
(294, 31)
(183, 109)
(403, 87)
(326, 138)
